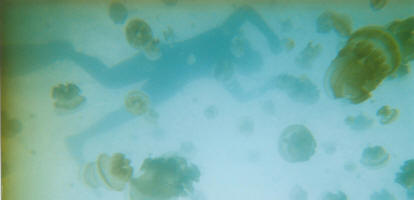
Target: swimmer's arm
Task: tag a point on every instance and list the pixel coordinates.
(247, 13)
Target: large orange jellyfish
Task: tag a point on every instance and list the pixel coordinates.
(370, 55)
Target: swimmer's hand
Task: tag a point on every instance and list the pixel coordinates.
(59, 49)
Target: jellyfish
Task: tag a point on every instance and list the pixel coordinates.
(10, 127)
(296, 144)
(223, 71)
(350, 166)
(339, 195)
(403, 32)
(117, 12)
(67, 96)
(370, 55)
(246, 126)
(211, 112)
(387, 114)
(374, 157)
(308, 54)
(164, 177)
(298, 193)
(137, 102)
(138, 33)
(406, 175)
(378, 4)
(301, 89)
(330, 20)
(290, 44)
(151, 50)
(359, 122)
(113, 172)
(382, 195)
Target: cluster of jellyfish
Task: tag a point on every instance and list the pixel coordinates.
(370, 55)
(296, 144)
(160, 178)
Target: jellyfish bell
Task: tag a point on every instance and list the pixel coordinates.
(330, 20)
(403, 32)
(113, 172)
(289, 44)
(296, 144)
(406, 175)
(137, 102)
(300, 89)
(359, 122)
(370, 55)
(374, 157)
(117, 12)
(378, 4)
(138, 33)
(90, 175)
(308, 54)
(382, 195)
(339, 195)
(67, 96)
(387, 114)
(10, 127)
(152, 50)
(165, 177)
(211, 112)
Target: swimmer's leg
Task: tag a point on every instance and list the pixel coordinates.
(128, 72)
(76, 143)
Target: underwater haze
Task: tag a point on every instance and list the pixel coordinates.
(207, 100)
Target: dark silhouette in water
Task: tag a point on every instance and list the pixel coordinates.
(168, 74)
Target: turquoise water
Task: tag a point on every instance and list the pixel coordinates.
(233, 103)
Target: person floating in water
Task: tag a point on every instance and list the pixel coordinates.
(169, 73)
